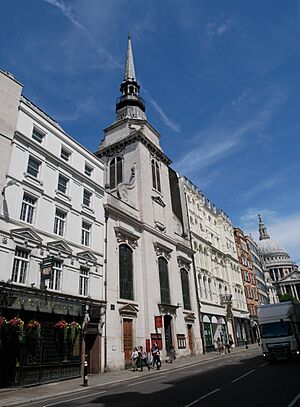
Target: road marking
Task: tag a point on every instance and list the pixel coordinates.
(263, 364)
(77, 398)
(202, 398)
(244, 375)
(294, 401)
(145, 381)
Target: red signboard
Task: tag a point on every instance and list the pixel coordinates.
(156, 338)
(148, 345)
(158, 321)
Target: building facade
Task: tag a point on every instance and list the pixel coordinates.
(219, 282)
(51, 253)
(150, 283)
(261, 285)
(249, 281)
(10, 95)
(281, 273)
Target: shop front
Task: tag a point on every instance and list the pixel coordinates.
(215, 326)
(40, 335)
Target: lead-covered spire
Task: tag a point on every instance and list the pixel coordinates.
(129, 64)
(130, 105)
(263, 234)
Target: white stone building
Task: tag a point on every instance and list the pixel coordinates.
(52, 210)
(150, 280)
(281, 273)
(219, 282)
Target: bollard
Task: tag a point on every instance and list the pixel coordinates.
(85, 372)
(246, 343)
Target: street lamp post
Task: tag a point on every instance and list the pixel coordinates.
(84, 361)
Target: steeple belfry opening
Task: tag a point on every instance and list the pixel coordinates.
(263, 234)
(130, 104)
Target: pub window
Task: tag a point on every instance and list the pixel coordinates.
(164, 281)
(55, 279)
(115, 172)
(155, 175)
(20, 266)
(185, 289)
(125, 272)
(28, 208)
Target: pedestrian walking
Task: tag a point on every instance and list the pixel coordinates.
(143, 358)
(155, 356)
(227, 346)
(220, 346)
(134, 358)
(230, 341)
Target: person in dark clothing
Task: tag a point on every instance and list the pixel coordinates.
(155, 356)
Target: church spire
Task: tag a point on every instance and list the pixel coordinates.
(263, 234)
(129, 64)
(130, 105)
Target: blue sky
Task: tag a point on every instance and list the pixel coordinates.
(220, 79)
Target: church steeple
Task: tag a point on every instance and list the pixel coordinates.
(263, 234)
(129, 64)
(130, 104)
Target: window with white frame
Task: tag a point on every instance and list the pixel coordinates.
(155, 175)
(59, 222)
(88, 170)
(62, 185)
(65, 154)
(20, 266)
(87, 196)
(86, 233)
(55, 279)
(28, 207)
(37, 135)
(83, 281)
(33, 166)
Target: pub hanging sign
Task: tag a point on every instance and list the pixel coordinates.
(46, 268)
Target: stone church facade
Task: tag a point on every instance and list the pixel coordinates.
(150, 285)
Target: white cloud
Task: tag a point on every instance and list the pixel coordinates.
(166, 120)
(219, 26)
(227, 136)
(110, 61)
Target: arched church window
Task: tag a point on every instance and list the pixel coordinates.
(185, 289)
(164, 280)
(125, 272)
(115, 172)
(155, 175)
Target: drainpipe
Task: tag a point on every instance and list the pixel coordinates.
(195, 280)
(105, 290)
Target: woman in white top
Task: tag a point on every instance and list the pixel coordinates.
(134, 358)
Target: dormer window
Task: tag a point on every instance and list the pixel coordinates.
(115, 172)
(65, 154)
(88, 170)
(37, 135)
(155, 175)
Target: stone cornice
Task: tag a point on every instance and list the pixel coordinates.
(132, 138)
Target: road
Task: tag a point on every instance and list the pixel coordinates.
(234, 380)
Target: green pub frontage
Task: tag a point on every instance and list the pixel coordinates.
(41, 335)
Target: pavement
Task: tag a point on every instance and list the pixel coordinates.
(19, 396)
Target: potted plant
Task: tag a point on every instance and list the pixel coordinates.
(74, 329)
(14, 330)
(33, 329)
(61, 328)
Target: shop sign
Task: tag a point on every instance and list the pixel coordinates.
(30, 303)
(46, 267)
(158, 321)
